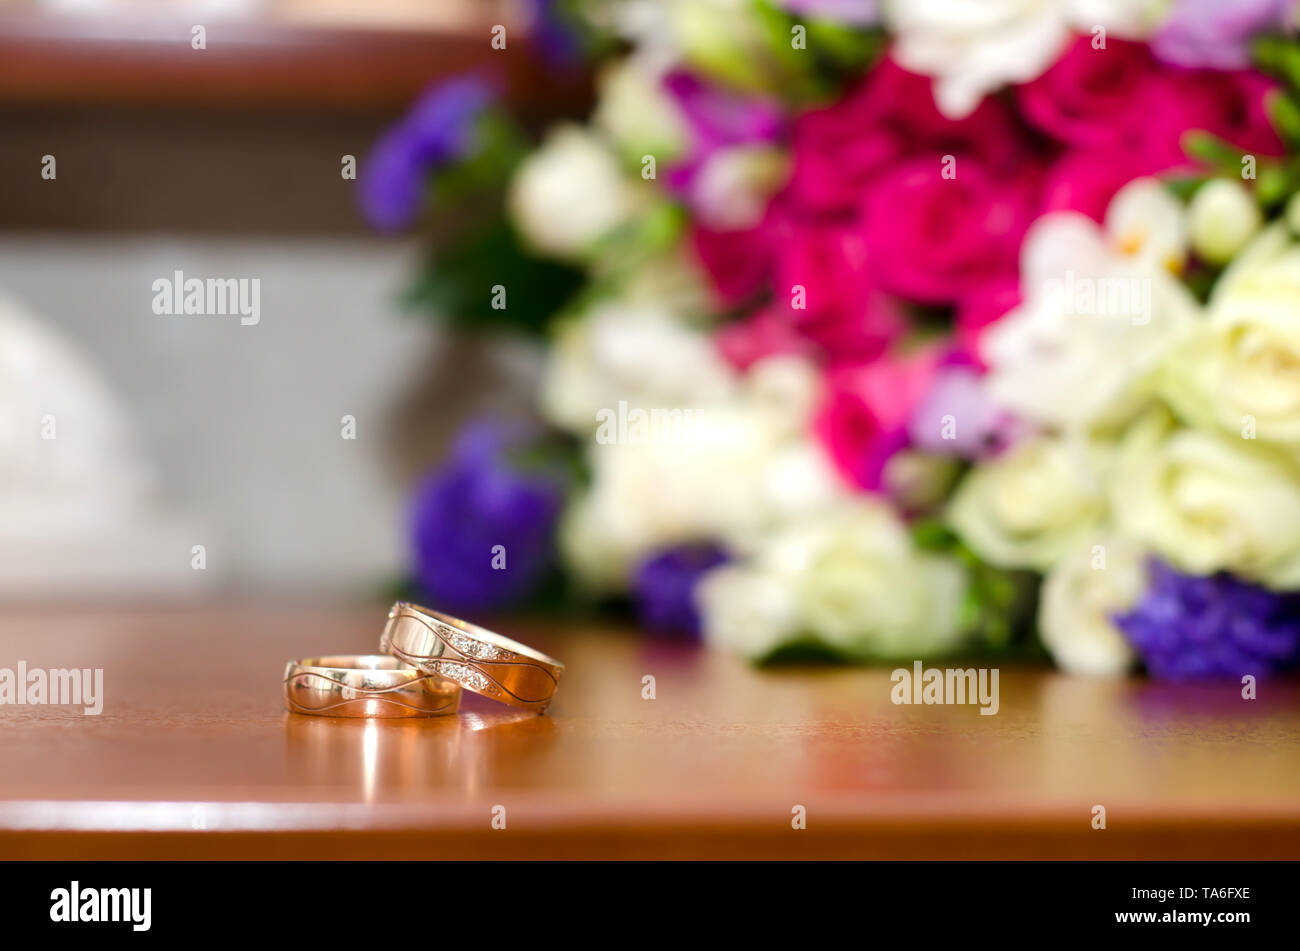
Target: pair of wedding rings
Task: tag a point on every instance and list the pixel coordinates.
(426, 660)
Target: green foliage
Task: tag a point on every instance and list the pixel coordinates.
(834, 52)
(457, 284)
(1000, 605)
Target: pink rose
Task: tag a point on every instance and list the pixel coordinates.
(1086, 180)
(826, 285)
(933, 239)
(765, 334)
(864, 417)
(738, 262)
(840, 149)
(826, 305)
(1228, 104)
(1087, 98)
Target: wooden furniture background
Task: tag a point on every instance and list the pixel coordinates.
(262, 64)
(195, 757)
(245, 136)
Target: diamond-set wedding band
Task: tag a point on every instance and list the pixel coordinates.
(480, 660)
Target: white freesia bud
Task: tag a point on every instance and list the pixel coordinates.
(569, 194)
(1094, 326)
(1147, 225)
(1032, 504)
(1223, 216)
(1097, 579)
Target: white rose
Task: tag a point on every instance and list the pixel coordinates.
(786, 388)
(569, 193)
(1083, 348)
(1222, 217)
(1207, 502)
(1240, 370)
(746, 611)
(1081, 593)
(974, 47)
(862, 587)
(647, 496)
(1030, 505)
(632, 352)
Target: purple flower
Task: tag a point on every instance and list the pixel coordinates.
(718, 120)
(664, 588)
(1217, 33)
(1188, 627)
(848, 12)
(438, 130)
(555, 33)
(979, 427)
(482, 528)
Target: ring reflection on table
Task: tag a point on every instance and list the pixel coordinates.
(365, 685)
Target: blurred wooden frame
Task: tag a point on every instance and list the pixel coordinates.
(261, 65)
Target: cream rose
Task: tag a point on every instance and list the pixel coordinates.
(1102, 576)
(1032, 504)
(1240, 371)
(569, 194)
(849, 577)
(746, 611)
(632, 352)
(1208, 502)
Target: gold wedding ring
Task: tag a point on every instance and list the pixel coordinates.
(474, 657)
(352, 685)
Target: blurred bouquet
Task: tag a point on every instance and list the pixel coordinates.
(893, 329)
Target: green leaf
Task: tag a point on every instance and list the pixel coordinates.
(1184, 187)
(458, 284)
(1273, 184)
(1279, 55)
(1212, 149)
(1284, 113)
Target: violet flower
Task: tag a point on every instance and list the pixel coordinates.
(858, 13)
(1188, 627)
(482, 528)
(978, 427)
(1217, 33)
(718, 120)
(437, 131)
(664, 588)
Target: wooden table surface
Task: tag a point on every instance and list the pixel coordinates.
(195, 757)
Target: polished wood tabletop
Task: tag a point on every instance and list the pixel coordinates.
(194, 756)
